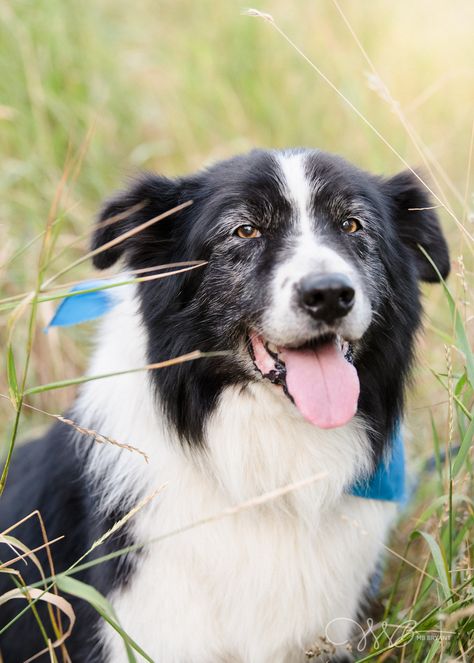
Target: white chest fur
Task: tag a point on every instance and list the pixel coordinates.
(254, 588)
(258, 586)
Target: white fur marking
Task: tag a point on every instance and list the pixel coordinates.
(298, 190)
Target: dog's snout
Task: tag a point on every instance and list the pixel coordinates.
(326, 297)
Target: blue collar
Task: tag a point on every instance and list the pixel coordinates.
(387, 482)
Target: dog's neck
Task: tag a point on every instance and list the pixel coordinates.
(255, 441)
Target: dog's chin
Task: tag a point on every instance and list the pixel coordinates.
(318, 376)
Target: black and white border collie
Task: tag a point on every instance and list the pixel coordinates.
(310, 291)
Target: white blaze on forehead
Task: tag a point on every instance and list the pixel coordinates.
(298, 189)
(310, 254)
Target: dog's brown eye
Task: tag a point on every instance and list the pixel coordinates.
(247, 232)
(350, 226)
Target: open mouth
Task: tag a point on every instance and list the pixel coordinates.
(318, 377)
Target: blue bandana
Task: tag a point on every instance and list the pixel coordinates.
(387, 482)
(88, 305)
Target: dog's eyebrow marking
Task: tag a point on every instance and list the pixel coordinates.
(298, 189)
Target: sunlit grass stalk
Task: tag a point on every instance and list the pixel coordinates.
(361, 116)
(13, 300)
(197, 354)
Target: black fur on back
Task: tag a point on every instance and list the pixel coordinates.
(46, 475)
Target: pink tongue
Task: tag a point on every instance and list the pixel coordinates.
(323, 384)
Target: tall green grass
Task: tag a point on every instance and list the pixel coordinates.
(91, 92)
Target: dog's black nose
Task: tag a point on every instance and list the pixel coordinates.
(326, 296)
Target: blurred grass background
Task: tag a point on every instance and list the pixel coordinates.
(173, 85)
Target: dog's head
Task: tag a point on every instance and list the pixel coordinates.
(310, 281)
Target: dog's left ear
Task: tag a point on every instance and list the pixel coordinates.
(417, 224)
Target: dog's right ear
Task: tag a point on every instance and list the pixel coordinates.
(148, 197)
(418, 225)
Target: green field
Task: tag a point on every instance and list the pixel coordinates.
(93, 92)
